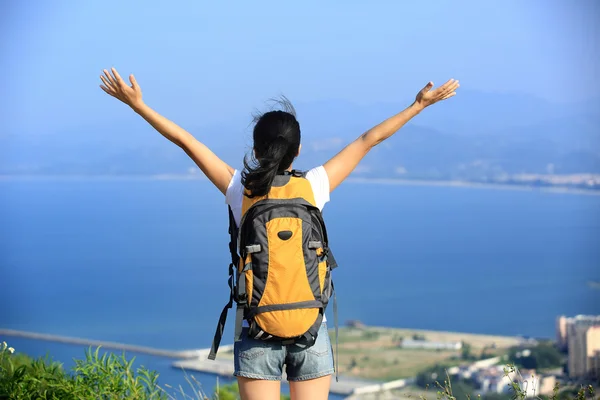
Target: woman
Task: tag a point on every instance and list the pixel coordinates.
(276, 144)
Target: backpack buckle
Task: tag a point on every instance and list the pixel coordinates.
(253, 248)
(242, 298)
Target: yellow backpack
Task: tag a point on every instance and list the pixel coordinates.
(282, 283)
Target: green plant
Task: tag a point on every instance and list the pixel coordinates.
(227, 392)
(110, 375)
(97, 376)
(542, 356)
(105, 376)
(24, 378)
(466, 352)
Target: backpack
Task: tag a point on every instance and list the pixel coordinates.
(281, 264)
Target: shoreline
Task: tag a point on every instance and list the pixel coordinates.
(436, 332)
(377, 181)
(352, 344)
(473, 185)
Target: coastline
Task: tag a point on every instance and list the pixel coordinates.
(473, 185)
(351, 380)
(378, 181)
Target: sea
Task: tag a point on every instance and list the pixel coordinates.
(144, 261)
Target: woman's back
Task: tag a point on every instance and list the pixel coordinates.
(259, 364)
(317, 177)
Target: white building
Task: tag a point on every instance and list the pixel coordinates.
(495, 380)
(429, 345)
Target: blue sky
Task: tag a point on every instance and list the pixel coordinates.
(205, 61)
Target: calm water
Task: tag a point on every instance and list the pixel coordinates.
(145, 262)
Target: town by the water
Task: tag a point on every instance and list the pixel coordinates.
(391, 363)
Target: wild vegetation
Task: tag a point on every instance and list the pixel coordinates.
(97, 376)
(109, 376)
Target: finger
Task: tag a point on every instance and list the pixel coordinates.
(452, 94)
(427, 87)
(444, 88)
(134, 83)
(110, 78)
(117, 76)
(106, 82)
(437, 92)
(451, 87)
(448, 83)
(106, 89)
(454, 85)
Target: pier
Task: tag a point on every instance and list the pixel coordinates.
(187, 354)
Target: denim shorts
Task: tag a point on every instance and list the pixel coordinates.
(259, 359)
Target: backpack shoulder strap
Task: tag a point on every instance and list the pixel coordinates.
(231, 282)
(233, 241)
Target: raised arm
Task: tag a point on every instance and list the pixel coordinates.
(217, 171)
(342, 164)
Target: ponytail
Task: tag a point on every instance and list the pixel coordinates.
(276, 144)
(259, 173)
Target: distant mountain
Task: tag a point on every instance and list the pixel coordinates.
(475, 136)
(468, 113)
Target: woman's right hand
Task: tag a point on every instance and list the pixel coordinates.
(117, 88)
(427, 96)
(214, 168)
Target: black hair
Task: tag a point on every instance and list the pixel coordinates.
(276, 136)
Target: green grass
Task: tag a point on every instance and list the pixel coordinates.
(97, 376)
(109, 376)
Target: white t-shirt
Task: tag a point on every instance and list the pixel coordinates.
(319, 181)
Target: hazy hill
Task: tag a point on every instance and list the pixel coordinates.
(474, 136)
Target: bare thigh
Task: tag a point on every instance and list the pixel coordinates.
(258, 389)
(312, 389)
